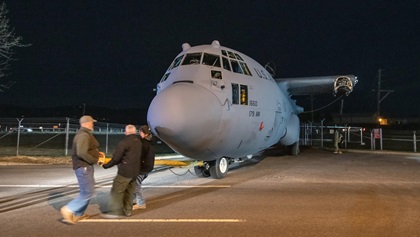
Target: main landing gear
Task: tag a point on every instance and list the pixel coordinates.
(217, 169)
(294, 149)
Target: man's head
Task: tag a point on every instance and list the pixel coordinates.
(87, 121)
(145, 132)
(130, 129)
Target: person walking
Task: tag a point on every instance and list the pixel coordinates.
(85, 153)
(337, 139)
(127, 157)
(147, 162)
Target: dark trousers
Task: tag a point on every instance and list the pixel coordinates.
(121, 197)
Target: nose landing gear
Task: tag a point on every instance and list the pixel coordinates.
(217, 169)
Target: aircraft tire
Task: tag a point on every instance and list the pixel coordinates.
(219, 168)
(201, 171)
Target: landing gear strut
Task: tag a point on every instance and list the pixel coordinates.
(201, 171)
(217, 169)
(295, 149)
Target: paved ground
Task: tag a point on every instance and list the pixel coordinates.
(315, 194)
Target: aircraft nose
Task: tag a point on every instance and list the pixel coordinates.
(186, 117)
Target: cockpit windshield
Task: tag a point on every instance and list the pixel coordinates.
(192, 58)
(211, 59)
(231, 61)
(176, 62)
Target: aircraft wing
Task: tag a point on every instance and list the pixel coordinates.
(318, 85)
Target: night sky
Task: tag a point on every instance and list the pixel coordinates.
(113, 53)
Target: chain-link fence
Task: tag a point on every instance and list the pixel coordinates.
(385, 138)
(54, 136)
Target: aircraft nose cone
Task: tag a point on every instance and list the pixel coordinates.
(186, 117)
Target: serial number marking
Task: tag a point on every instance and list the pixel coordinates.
(253, 113)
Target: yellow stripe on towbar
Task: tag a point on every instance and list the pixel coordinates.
(164, 162)
(177, 163)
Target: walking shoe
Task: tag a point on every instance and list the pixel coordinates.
(82, 217)
(138, 207)
(68, 216)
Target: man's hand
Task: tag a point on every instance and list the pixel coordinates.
(102, 160)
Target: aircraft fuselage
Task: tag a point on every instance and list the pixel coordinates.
(216, 102)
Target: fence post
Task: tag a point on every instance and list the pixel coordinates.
(322, 132)
(361, 136)
(18, 136)
(310, 133)
(346, 135)
(415, 141)
(380, 134)
(372, 140)
(66, 152)
(107, 130)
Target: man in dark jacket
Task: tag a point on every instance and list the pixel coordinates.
(85, 155)
(127, 157)
(147, 163)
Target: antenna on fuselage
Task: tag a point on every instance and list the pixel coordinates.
(185, 46)
(215, 44)
(271, 69)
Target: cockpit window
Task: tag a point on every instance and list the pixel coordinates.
(224, 53)
(236, 67)
(192, 58)
(176, 62)
(238, 57)
(231, 55)
(164, 77)
(211, 59)
(226, 64)
(245, 68)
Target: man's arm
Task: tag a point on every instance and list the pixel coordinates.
(117, 156)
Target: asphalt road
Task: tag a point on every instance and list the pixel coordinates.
(317, 193)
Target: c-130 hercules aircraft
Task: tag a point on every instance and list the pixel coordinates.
(217, 105)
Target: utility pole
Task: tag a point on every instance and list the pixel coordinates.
(378, 94)
(379, 90)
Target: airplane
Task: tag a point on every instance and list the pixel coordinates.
(217, 105)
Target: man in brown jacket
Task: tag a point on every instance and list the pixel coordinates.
(85, 155)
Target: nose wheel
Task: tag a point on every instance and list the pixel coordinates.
(217, 169)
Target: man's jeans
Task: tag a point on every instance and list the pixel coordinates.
(139, 191)
(87, 188)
